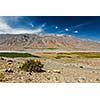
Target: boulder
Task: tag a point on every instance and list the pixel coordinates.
(10, 60)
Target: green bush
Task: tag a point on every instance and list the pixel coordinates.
(13, 55)
(32, 66)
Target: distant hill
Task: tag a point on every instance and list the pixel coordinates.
(31, 41)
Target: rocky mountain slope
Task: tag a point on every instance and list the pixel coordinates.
(31, 41)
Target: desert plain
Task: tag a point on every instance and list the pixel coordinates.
(72, 67)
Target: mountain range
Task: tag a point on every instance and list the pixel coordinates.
(52, 41)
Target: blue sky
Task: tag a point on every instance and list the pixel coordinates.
(80, 26)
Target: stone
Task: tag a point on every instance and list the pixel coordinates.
(30, 73)
(22, 78)
(10, 63)
(82, 79)
(10, 60)
(9, 70)
(48, 71)
(18, 66)
(48, 78)
(57, 71)
(97, 79)
(2, 58)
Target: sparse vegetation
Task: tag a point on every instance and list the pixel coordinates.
(58, 57)
(82, 54)
(72, 55)
(59, 67)
(32, 66)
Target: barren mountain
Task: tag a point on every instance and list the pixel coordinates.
(31, 41)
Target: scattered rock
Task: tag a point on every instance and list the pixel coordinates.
(82, 79)
(22, 78)
(81, 67)
(33, 78)
(2, 58)
(57, 71)
(66, 81)
(93, 71)
(18, 66)
(9, 70)
(10, 63)
(48, 78)
(48, 71)
(10, 60)
(97, 79)
(90, 80)
(30, 73)
(29, 79)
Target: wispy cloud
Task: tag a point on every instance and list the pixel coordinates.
(5, 28)
(87, 23)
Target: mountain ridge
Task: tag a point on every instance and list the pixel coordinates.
(58, 41)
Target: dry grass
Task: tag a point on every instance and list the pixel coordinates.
(71, 55)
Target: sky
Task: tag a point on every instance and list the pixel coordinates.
(87, 27)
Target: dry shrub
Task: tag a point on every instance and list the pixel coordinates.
(32, 66)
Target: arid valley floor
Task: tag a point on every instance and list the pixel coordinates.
(59, 68)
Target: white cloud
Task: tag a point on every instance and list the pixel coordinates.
(76, 31)
(15, 18)
(32, 25)
(56, 27)
(38, 30)
(3, 25)
(66, 29)
(5, 28)
(22, 31)
(43, 25)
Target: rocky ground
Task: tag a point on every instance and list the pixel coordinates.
(64, 70)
